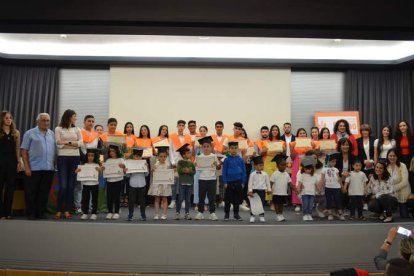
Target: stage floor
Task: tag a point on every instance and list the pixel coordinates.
(182, 246)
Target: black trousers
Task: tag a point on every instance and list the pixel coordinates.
(356, 203)
(385, 203)
(233, 194)
(137, 195)
(113, 190)
(207, 188)
(87, 192)
(37, 189)
(7, 178)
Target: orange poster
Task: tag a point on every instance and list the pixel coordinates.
(328, 119)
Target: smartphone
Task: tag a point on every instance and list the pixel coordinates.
(404, 231)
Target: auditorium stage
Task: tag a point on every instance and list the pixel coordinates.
(191, 246)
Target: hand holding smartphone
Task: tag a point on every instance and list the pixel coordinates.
(404, 231)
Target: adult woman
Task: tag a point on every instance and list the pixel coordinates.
(366, 149)
(9, 162)
(162, 134)
(345, 157)
(314, 133)
(404, 142)
(383, 144)
(342, 130)
(381, 193)
(274, 136)
(129, 136)
(399, 178)
(68, 139)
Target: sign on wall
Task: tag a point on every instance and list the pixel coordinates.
(328, 119)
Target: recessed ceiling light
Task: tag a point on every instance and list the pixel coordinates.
(63, 36)
(204, 37)
(337, 40)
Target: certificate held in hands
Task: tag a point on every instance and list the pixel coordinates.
(136, 166)
(87, 173)
(112, 170)
(327, 144)
(243, 144)
(205, 162)
(275, 146)
(118, 139)
(147, 153)
(162, 143)
(165, 176)
(303, 142)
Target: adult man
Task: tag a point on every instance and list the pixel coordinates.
(288, 136)
(192, 128)
(38, 152)
(218, 142)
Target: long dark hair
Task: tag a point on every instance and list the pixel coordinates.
(65, 120)
(385, 175)
(148, 130)
(320, 137)
(347, 129)
(125, 128)
(398, 133)
(159, 130)
(381, 137)
(395, 152)
(343, 141)
(271, 135)
(245, 133)
(299, 130)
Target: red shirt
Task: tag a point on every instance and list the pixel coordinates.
(405, 145)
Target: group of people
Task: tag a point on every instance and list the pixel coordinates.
(326, 172)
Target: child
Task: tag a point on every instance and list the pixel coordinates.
(258, 183)
(307, 186)
(186, 171)
(90, 188)
(280, 181)
(137, 187)
(332, 182)
(357, 182)
(114, 184)
(207, 179)
(161, 191)
(234, 175)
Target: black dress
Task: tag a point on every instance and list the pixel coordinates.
(8, 171)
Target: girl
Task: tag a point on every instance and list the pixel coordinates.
(129, 133)
(324, 134)
(307, 186)
(381, 193)
(114, 184)
(162, 134)
(90, 188)
(161, 191)
(9, 162)
(203, 130)
(297, 154)
(342, 130)
(144, 141)
(404, 138)
(315, 133)
(99, 129)
(68, 140)
(383, 144)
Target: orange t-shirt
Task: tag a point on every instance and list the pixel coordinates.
(143, 142)
(130, 140)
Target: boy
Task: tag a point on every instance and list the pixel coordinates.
(280, 180)
(186, 171)
(234, 175)
(218, 142)
(137, 187)
(258, 183)
(207, 164)
(357, 183)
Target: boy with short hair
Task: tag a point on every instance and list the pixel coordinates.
(186, 172)
(356, 183)
(234, 175)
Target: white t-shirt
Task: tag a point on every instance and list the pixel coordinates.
(309, 183)
(208, 174)
(117, 161)
(385, 148)
(356, 182)
(90, 183)
(331, 178)
(280, 182)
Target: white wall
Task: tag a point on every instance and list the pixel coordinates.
(157, 96)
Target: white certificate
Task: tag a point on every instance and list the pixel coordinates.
(275, 146)
(205, 162)
(147, 153)
(112, 170)
(87, 173)
(256, 205)
(162, 143)
(303, 142)
(327, 144)
(165, 176)
(250, 151)
(134, 166)
(116, 139)
(243, 144)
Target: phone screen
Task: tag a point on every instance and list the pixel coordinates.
(404, 231)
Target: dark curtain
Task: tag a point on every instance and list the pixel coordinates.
(381, 97)
(27, 91)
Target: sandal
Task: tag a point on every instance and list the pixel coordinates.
(67, 215)
(388, 219)
(58, 215)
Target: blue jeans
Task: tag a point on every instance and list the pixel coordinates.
(185, 194)
(66, 173)
(307, 204)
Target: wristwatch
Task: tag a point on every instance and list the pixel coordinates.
(387, 242)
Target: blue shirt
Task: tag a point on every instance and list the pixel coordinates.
(234, 169)
(41, 149)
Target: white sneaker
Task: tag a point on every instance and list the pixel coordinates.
(115, 216)
(262, 219)
(172, 205)
(163, 217)
(252, 219)
(84, 217)
(305, 218)
(213, 216)
(297, 208)
(330, 217)
(341, 217)
(244, 208)
(320, 213)
(310, 217)
(108, 216)
(365, 207)
(183, 205)
(156, 217)
(93, 217)
(282, 218)
(79, 211)
(221, 204)
(278, 218)
(199, 216)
